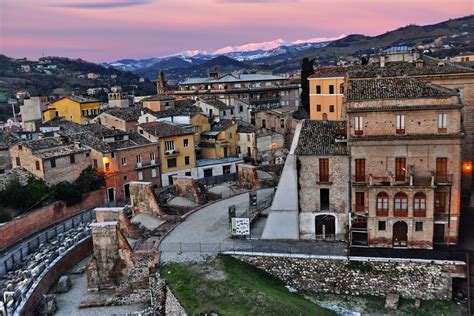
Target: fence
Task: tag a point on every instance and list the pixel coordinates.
(14, 255)
(216, 180)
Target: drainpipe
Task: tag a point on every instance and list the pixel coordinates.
(350, 199)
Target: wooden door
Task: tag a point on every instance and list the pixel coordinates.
(400, 169)
(400, 234)
(441, 169)
(360, 170)
(324, 170)
(440, 202)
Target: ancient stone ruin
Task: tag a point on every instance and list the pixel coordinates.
(248, 177)
(143, 199)
(188, 188)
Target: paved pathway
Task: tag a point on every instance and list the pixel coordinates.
(206, 233)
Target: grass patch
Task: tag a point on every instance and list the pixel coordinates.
(241, 290)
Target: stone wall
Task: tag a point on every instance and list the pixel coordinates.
(172, 305)
(248, 177)
(110, 214)
(188, 188)
(143, 199)
(426, 281)
(34, 221)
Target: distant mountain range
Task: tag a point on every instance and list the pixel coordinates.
(280, 56)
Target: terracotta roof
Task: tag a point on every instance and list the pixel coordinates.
(129, 114)
(429, 66)
(184, 103)
(245, 127)
(404, 108)
(7, 139)
(362, 138)
(222, 125)
(159, 97)
(190, 111)
(394, 88)
(322, 138)
(217, 103)
(164, 129)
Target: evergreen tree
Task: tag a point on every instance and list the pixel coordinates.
(306, 71)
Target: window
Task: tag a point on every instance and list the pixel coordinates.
(419, 204)
(124, 161)
(96, 165)
(37, 163)
(196, 129)
(360, 170)
(331, 89)
(229, 135)
(20, 147)
(418, 226)
(382, 225)
(226, 169)
(400, 169)
(264, 124)
(140, 175)
(152, 156)
(207, 173)
(360, 201)
(139, 159)
(186, 160)
(169, 145)
(241, 108)
(107, 166)
(187, 173)
(153, 173)
(401, 204)
(442, 123)
(53, 163)
(324, 170)
(72, 158)
(231, 112)
(381, 206)
(318, 107)
(331, 108)
(318, 89)
(400, 124)
(341, 88)
(441, 170)
(171, 163)
(17, 161)
(185, 143)
(358, 125)
(282, 123)
(112, 154)
(248, 137)
(440, 202)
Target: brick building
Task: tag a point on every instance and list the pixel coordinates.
(124, 119)
(405, 140)
(323, 177)
(122, 156)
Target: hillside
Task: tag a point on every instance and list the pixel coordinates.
(59, 75)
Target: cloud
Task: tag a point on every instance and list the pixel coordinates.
(103, 5)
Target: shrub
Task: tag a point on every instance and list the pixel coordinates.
(5, 216)
(90, 180)
(68, 192)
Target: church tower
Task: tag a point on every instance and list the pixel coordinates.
(161, 83)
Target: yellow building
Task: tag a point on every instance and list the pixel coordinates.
(220, 141)
(326, 97)
(467, 57)
(177, 149)
(72, 108)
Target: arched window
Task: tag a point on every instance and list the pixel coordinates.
(419, 204)
(401, 204)
(382, 204)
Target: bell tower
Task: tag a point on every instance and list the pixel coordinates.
(161, 83)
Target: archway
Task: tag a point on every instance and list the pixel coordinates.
(400, 234)
(325, 226)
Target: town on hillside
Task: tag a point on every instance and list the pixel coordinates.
(342, 187)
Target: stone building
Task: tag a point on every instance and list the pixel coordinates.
(405, 140)
(53, 159)
(31, 112)
(215, 109)
(122, 156)
(158, 102)
(6, 140)
(247, 141)
(124, 119)
(323, 177)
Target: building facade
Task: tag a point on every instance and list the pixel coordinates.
(73, 108)
(405, 139)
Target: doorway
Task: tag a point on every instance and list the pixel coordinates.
(325, 227)
(226, 153)
(126, 190)
(438, 234)
(400, 234)
(324, 199)
(111, 194)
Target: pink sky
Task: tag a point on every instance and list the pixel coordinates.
(107, 30)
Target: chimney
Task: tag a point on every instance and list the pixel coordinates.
(382, 61)
(419, 63)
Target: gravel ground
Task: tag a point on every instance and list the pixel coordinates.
(68, 303)
(209, 226)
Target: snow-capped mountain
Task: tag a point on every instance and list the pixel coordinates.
(246, 52)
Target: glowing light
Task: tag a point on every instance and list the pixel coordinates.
(467, 166)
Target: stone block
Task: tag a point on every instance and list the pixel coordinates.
(188, 188)
(64, 284)
(248, 177)
(47, 305)
(143, 199)
(392, 300)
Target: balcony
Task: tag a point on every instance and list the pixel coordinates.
(419, 213)
(390, 180)
(381, 213)
(360, 208)
(173, 152)
(443, 179)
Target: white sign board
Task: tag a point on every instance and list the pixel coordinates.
(240, 226)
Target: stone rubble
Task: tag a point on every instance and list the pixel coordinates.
(16, 283)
